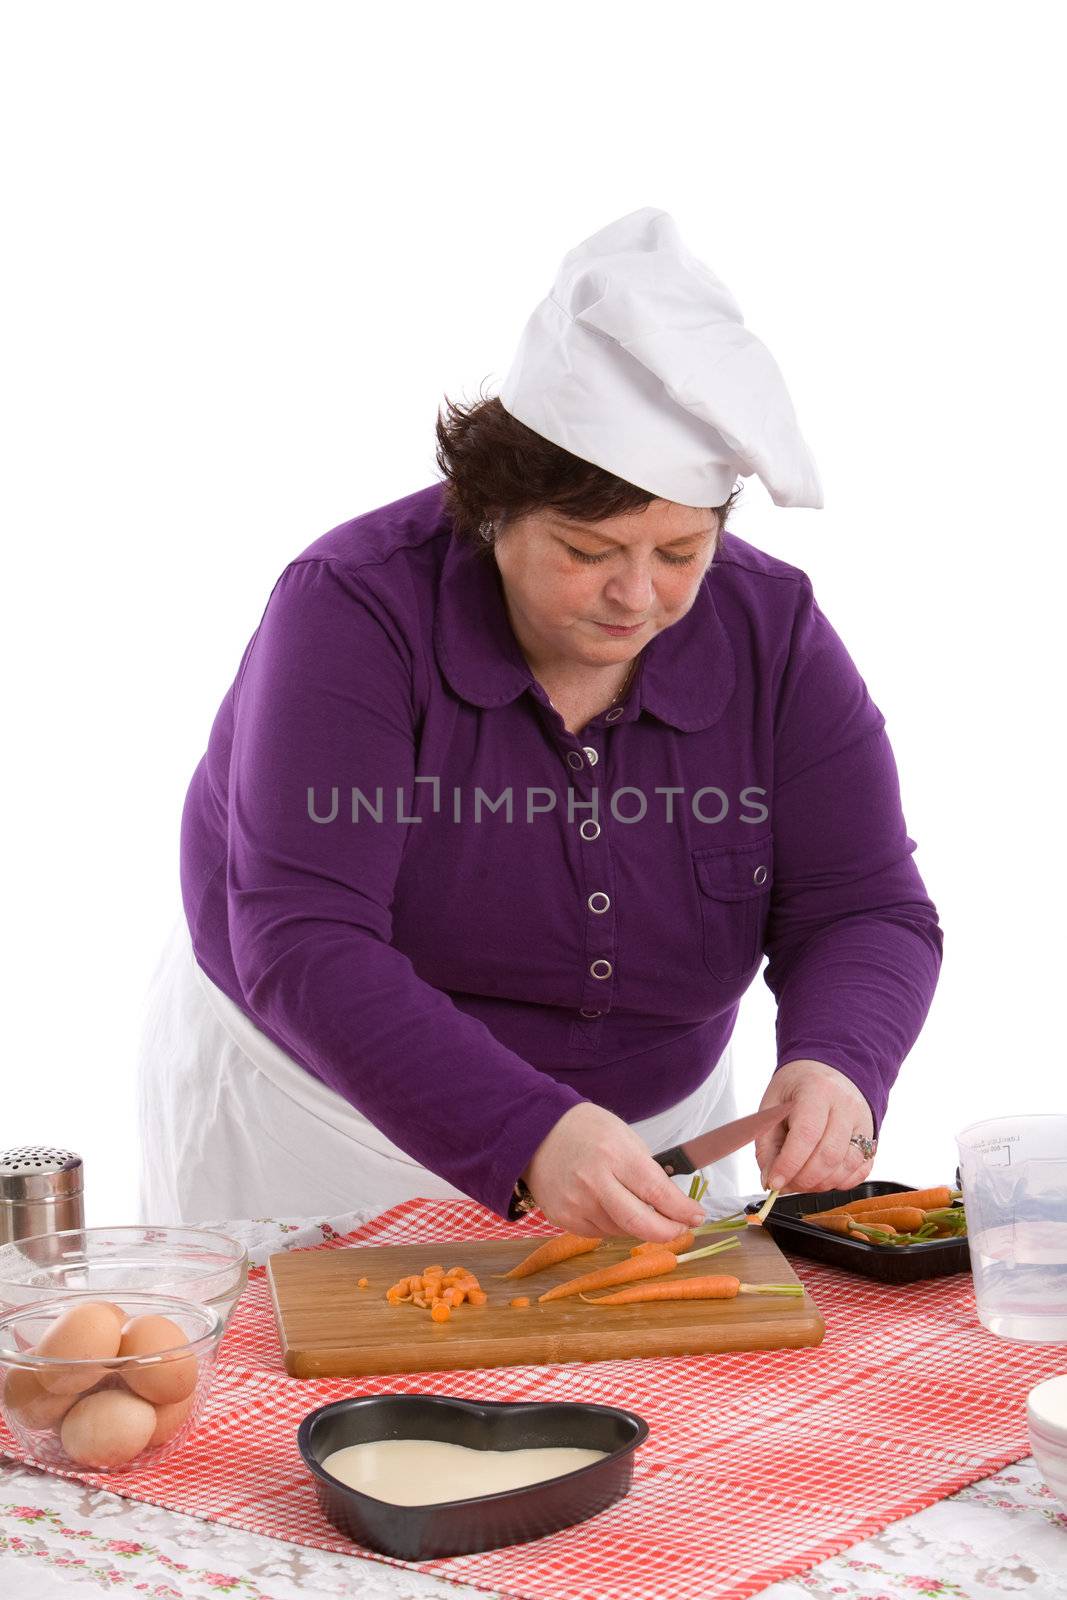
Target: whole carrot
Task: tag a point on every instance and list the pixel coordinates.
(651, 1264)
(905, 1219)
(922, 1199)
(902, 1219)
(561, 1247)
(685, 1241)
(681, 1242)
(833, 1224)
(722, 1288)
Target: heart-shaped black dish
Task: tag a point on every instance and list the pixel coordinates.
(458, 1527)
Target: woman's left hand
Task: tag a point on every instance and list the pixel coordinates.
(811, 1151)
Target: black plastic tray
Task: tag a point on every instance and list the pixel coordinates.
(484, 1522)
(902, 1263)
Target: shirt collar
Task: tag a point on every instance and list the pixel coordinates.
(685, 677)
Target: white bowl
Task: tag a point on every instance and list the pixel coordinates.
(1046, 1415)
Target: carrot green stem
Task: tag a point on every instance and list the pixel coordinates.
(710, 1249)
(772, 1288)
(694, 1186)
(764, 1209)
(721, 1223)
(950, 1216)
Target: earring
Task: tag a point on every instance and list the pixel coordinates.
(486, 531)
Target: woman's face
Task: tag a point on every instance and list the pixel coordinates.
(567, 583)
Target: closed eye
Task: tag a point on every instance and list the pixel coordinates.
(671, 561)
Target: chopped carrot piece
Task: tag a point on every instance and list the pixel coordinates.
(520, 1300)
(363, 1282)
(392, 1297)
(435, 1268)
(440, 1311)
(420, 1300)
(477, 1297)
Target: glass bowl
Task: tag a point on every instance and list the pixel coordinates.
(104, 1412)
(186, 1263)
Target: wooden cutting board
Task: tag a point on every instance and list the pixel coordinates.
(329, 1327)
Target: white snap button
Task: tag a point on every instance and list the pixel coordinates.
(598, 902)
(590, 754)
(590, 829)
(601, 969)
(574, 760)
(614, 714)
(760, 875)
(590, 1014)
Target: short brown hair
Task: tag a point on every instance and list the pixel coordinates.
(496, 468)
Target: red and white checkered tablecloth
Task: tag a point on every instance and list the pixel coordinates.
(758, 1465)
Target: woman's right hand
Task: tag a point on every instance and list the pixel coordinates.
(592, 1175)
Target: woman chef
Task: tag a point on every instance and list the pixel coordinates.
(519, 778)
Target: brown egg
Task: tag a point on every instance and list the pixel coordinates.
(117, 1312)
(169, 1419)
(163, 1382)
(107, 1429)
(31, 1405)
(88, 1332)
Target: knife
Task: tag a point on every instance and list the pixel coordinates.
(719, 1142)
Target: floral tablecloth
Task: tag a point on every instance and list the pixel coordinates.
(1003, 1536)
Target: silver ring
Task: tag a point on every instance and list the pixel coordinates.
(866, 1145)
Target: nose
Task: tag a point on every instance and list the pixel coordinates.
(631, 589)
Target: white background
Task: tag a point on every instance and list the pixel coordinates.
(248, 250)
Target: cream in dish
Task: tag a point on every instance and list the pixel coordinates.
(425, 1472)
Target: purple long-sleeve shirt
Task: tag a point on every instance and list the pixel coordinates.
(397, 861)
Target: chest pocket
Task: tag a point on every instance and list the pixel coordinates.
(734, 881)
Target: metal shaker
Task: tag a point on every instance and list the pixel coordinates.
(41, 1191)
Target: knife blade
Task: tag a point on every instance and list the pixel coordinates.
(719, 1142)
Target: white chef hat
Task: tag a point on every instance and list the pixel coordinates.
(639, 361)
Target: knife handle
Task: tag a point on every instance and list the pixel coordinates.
(675, 1162)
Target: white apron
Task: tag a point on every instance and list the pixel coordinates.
(231, 1126)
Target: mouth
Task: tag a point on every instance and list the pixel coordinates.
(620, 631)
